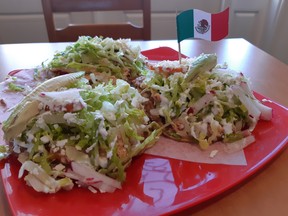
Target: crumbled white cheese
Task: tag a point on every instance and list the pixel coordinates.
(228, 127)
(77, 137)
(164, 105)
(108, 111)
(45, 139)
(93, 77)
(41, 124)
(59, 167)
(55, 149)
(29, 147)
(72, 118)
(213, 153)
(61, 143)
(137, 100)
(101, 128)
(30, 137)
(103, 161)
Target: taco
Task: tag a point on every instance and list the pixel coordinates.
(101, 58)
(201, 102)
(66, 132)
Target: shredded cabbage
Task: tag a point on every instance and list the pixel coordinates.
(214, 105)
(104, 134)
(96, 54)
(89, 134)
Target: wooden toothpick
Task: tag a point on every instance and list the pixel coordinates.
(179, 53)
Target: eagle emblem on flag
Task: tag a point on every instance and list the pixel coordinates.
(195, 23)
(202, 26)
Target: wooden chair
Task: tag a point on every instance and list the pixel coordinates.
(73, 31)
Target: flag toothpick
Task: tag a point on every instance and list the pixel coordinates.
(196, 23)
(179, 53)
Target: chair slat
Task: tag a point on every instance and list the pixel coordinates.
(72, 32)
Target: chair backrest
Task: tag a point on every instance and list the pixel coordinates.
(120, 30)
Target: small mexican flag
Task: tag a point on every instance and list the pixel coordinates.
(196, 23)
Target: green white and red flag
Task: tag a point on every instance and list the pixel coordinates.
(196, 23)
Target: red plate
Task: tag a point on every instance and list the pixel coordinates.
(154, 185)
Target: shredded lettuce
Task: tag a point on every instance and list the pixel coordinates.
(4, 151)
(215, 105)
(13, 87)
(96, 54)
(89, 133)
(105, 134)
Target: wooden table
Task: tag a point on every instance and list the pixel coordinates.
(266, 193)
